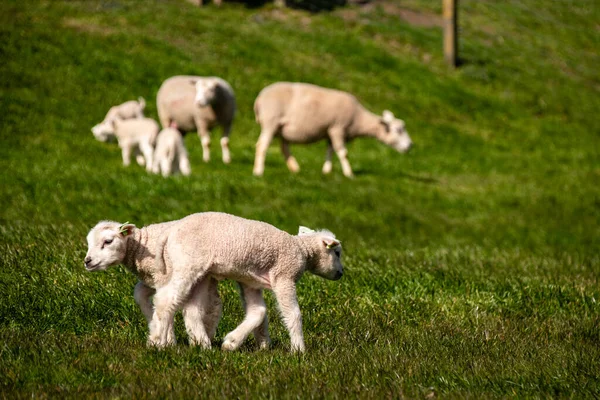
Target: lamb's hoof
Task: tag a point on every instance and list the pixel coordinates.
(226, 160)
(229, 345)
(264, 345)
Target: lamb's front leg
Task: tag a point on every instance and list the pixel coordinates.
(328, 166)
(142, 294)
(285, 293)
(167, 301)
(256, 311)
(337, 141)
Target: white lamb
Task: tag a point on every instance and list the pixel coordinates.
(305, 113)
(128, 110)
(170, 155)
(176, 258)
(195, 103)
(138, 135)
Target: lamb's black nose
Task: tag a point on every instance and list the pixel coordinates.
(87, 260)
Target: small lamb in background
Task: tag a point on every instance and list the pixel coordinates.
(128, 110)
(176, 259)
(170, 155)
(305, 113)
(137, 135)
(195, 103)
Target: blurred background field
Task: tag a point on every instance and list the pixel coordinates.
(472, 262)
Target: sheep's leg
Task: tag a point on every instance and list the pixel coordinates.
(256, 311)
(290, 161)
(167, 301)
(328, 166)
(225, 144)
(285, 293)
(147, 151)
(337, 141)
(126, 154)
(201, 312)
(142, 294)
(261, 333)
(261, 151)
(204, 136)
(139, 158)
(184, 163)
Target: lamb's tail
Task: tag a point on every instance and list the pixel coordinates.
(142, 102)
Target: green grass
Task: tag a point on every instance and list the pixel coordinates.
(472, 262)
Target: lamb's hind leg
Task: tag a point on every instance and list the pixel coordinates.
(201, 312)
(256, 311)
(327, 166)
(225, 144)
(261, 333)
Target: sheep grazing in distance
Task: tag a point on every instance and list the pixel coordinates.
(170, 155)
(128, 110)
(197, 103)
(216, 245)
(305, 113)
(138, 135)
(140, 251)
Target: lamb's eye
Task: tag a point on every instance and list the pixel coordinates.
(108, 241)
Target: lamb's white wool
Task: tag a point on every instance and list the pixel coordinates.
(215, 245)
(140, 250)
(170, 155)
(138, 135)
(304, 113)
(104, 131)
(195, 103)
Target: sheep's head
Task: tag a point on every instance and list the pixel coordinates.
(206, 91)
(394, 133)
(107, 245)
(327, 254)
(104, 131)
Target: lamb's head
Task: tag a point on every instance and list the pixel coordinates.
(326, 259)
(206, 91)
(394, 133)
(107, 245)
(104, 131)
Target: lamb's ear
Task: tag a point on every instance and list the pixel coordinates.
(387, 117)
(330, 242)
(126, 229)
(304, 231)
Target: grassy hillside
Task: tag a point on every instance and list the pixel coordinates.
(472, 262)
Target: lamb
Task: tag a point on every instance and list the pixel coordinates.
(305, 113)
(140, 251)
(170, 155)
(198, 103)
(217, 246)
(128, 110)
(137, 135)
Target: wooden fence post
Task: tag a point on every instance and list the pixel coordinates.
(451, 32)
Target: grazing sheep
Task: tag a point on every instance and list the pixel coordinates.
(305, 113)
(137, 135)
(141, 251)
(198, 103)
(170, 155)
(128, 110)
(255, 254)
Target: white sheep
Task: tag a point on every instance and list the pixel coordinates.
(170, 155)
(128, 110)
(197, 103)
(305, 113)
(140, 251)
(137, 135)
(216, 245)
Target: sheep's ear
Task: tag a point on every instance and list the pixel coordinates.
(387, 117)
(330, 242)
(304, 231)
(126, 229)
